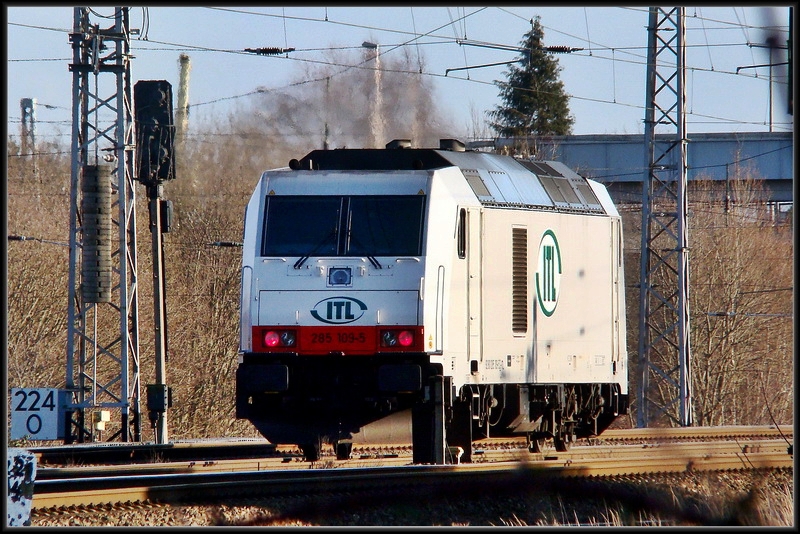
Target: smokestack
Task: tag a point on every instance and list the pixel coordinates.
(182, 113)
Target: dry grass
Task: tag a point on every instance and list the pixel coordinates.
(203, 300)
(481, 509)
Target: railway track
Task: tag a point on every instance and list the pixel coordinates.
(504, 464)
(697, 433)
(240, 448)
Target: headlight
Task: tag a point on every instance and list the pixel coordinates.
(340, 276)
(287, 338)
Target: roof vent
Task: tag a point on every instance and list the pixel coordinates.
(453, 145)
(399, 143)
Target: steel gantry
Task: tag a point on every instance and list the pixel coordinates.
(102, 372)
(664, 349)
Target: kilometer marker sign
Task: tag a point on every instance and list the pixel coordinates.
(36, 414)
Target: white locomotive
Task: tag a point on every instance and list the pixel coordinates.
(469, 294)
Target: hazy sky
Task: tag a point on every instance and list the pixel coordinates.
(605, 78)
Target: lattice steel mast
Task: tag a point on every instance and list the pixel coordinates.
(664, 350)
(102, 332)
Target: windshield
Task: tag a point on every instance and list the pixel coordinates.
(343, 226)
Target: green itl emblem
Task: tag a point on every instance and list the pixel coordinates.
(548, 273)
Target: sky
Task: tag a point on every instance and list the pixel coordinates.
(726, 89)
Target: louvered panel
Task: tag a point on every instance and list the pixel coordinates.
(519, 280)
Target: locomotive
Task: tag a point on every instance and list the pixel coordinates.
(440, 295)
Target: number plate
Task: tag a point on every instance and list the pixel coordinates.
(337, 339)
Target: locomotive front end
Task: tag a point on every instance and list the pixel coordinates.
(332, 336)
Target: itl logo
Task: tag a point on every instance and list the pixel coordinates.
(338, 310)
(548, 273)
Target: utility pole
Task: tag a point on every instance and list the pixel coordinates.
(376, 109)
(664, 349)
(182, 110)
(182, 113)
(326, 132)
(102, 319)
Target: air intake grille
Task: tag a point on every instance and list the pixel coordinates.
(519, 280)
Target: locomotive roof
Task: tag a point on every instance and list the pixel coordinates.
(497, 180)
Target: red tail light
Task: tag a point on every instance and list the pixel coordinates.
(397, 338)
(279, 338)
(406, 338)
(271, 339)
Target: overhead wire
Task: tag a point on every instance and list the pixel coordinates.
(707, 47)
(615, 51)
(414, 27)
(457, 36)
(145, 30)
(325, 20)
(285, 34)
(614, 76)
(98, 15)
(586, 19)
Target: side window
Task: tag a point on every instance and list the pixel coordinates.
(462, 233)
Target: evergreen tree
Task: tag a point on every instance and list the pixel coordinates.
(534, 101)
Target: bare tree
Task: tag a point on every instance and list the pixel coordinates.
(37, 265)
(332, 104)
(741, 302)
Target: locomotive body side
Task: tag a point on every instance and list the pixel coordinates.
(560, 320)
(461, 294)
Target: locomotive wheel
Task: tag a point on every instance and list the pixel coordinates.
(563, 440)
(343, 450)
(311, 450)
(535, 444)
